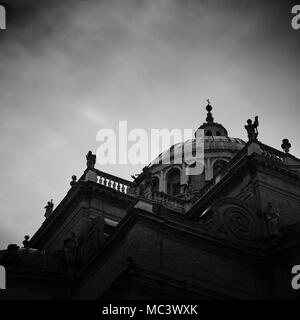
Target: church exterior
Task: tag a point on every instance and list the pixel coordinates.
(230, 232)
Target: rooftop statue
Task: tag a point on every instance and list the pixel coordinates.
(49, 208)
(26, 242)
(252, 129)
(74, 179)
(90, 160)
(187, 189)
(143, 183)
(144, 175)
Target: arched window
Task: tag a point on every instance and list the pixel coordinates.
(173, 182)
(218, 166)
(155, 184)
(208, 133)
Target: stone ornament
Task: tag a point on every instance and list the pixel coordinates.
(252, 129)
(286, 145)
(230, 217)
(49, 208)
(70, 249)
(273, 217)
(90, 160)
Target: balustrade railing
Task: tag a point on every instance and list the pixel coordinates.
(168, 199)
(267, 151)
(272, 154)
(127, 187)
(116, 183)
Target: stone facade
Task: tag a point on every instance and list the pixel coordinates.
(234, 235)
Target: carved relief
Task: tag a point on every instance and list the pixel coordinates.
(240, 223)
(71, 249)
(231, 217)
(272, 216)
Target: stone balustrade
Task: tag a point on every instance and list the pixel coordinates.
(272, 154)
(169, 200)
(111, 181)
(127, 187)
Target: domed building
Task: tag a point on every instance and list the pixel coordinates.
(170, 168)
(219, 221)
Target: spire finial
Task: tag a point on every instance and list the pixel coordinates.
(209, 117)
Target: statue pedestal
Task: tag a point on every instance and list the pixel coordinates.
(91, 176)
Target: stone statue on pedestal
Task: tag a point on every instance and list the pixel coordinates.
(252, 129)
(49, 208)
(143, 184)
(187, 190)
(26, 242)
(90, 160)
(273, 216)
(71, 248)
(74, 179)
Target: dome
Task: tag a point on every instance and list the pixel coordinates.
(191, 164)
(215, 138)
(211, 144)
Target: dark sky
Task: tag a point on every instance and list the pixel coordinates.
(70, 68)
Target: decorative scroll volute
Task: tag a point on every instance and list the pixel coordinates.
(232, 217)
